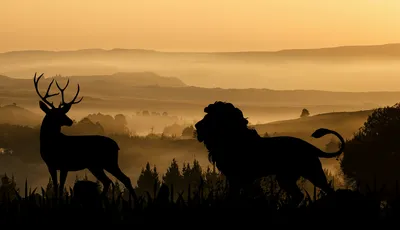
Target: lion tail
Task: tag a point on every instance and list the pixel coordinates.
(322, 132)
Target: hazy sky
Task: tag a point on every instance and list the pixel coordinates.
(196, 25)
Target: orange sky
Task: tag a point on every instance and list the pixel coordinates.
(196, 25)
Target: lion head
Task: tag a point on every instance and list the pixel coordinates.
(222, 127)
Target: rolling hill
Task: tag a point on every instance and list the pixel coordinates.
(16, 115)
(346, 123)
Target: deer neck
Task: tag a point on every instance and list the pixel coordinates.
(49, 131)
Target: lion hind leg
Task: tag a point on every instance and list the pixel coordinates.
(289, 184)
(318, 179)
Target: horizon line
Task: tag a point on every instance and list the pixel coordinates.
(201, 52)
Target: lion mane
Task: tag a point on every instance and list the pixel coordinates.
(223, 125)
(241, 154)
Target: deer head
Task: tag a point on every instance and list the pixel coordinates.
(56, 116)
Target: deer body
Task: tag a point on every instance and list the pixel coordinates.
(84, 148)
(66, 153)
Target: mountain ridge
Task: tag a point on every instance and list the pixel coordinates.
(377, 49)
(181, 84)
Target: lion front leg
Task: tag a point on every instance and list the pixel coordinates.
(234, 188)
(239, 187)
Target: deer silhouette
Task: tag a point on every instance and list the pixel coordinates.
(66, 153)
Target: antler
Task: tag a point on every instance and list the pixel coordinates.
(44, 98)
(63, 103)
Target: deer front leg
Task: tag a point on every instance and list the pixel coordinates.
(63, 178)
(53, 174)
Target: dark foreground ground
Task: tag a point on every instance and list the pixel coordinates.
(86, 205)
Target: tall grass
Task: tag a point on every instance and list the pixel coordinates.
(35, 206)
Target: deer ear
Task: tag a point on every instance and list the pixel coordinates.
(66, 108)
(44, 107)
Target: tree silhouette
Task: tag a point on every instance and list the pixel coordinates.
(214, 179)
(173, 177)
(305, 113)
(156, 179)
(148, 181)
(192, 177)
(7, 188)
(85, 126)
(332, 146)
(173, 130)
(372, 157)
(188, 131)
(110, 124)
(121, 123)
(186, 171)
(196, 175)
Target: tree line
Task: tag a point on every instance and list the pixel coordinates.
(183, 182)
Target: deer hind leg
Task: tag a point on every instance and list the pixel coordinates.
(102, 177)
(116, 171)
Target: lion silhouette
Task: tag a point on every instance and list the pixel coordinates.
(243, 156)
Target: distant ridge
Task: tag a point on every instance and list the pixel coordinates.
(120, 79)
(79, 50)
(392, 49)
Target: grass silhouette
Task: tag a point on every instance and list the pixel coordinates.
(35, 206)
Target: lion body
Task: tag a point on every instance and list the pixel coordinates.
(243, 156)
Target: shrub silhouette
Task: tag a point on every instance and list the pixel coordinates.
(305, 113)
(372, 156)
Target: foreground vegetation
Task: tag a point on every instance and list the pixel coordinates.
(184, 193)
(88, 206)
